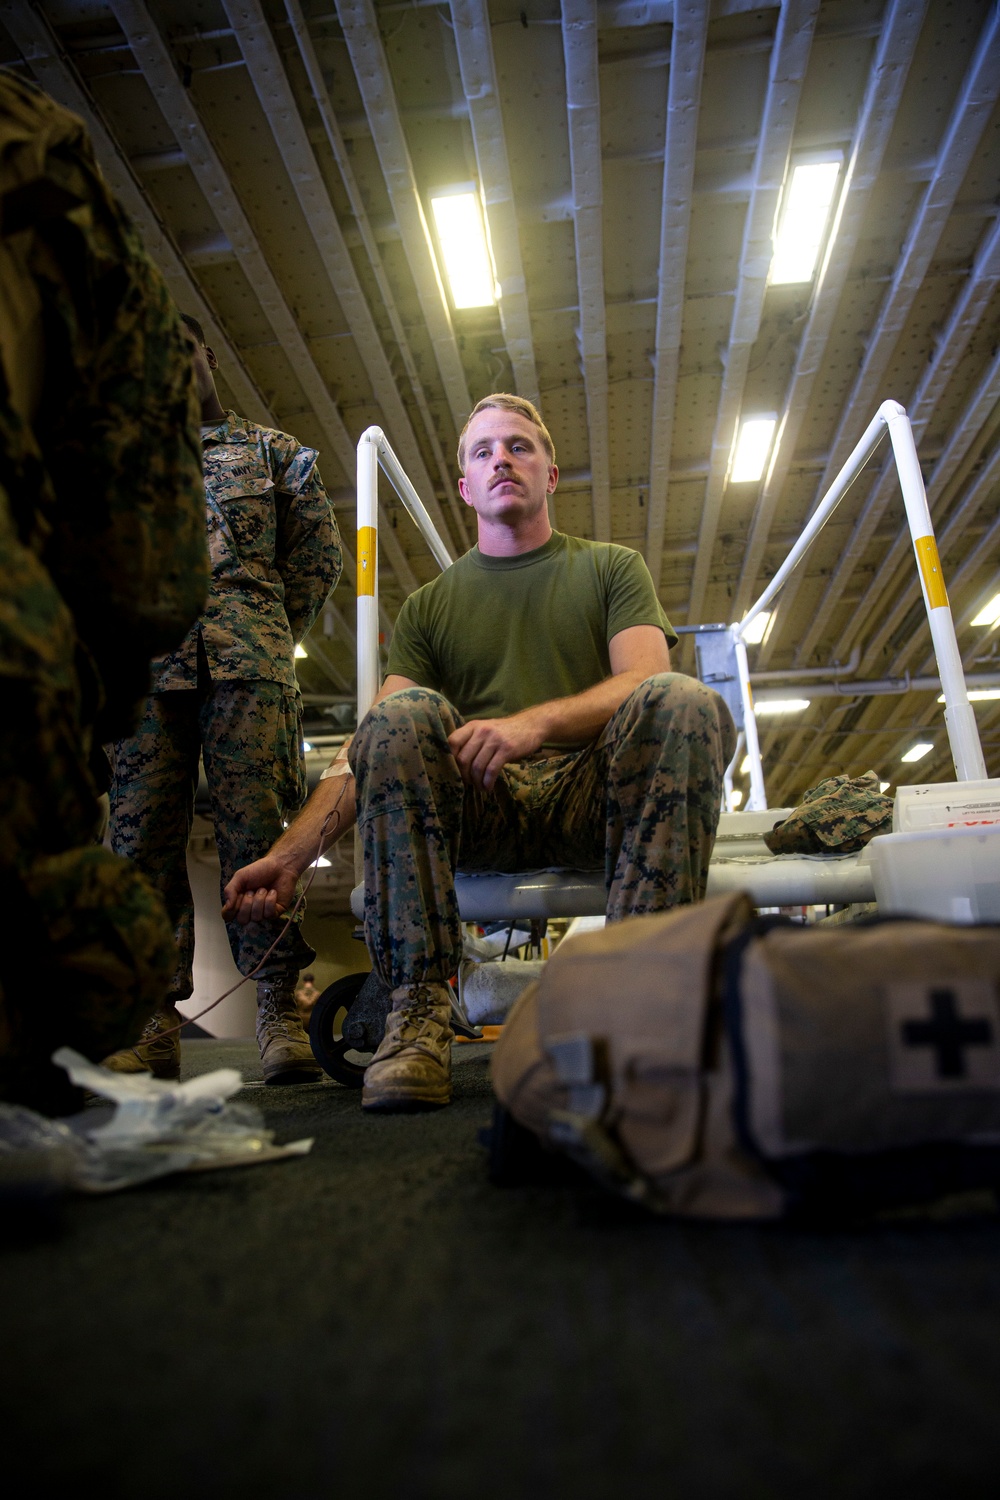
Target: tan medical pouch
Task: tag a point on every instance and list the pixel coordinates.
(709, 1063)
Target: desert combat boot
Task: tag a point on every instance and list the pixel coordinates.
(285, 1053)
(412, 1068)
(158, 1050)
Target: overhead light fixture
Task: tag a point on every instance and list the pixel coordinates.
(735, 797)
(745, 766)
(989, 614)
(757, 629)
(805, 212)
(917, 751)
(782, 706)
(306, 746)
(978, 695)
(461, 231)
(752, 447)
(321, 864)
(884, 786)
(300, 651)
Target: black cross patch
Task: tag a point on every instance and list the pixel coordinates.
(943, 1035)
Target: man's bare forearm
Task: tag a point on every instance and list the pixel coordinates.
(333, 804)
(584, 715)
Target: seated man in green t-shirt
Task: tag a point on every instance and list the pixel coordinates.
(529, 717)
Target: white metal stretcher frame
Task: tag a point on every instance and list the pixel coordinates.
(741, 861)
(960, 721)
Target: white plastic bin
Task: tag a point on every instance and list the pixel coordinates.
(952, 874)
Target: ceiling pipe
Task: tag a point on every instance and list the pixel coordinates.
(792, 674)
(881, 687)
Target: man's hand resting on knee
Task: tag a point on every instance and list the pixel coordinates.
(484, 746)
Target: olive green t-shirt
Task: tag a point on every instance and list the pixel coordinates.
(495, 635)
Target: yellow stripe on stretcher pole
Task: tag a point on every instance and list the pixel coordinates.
(366, 559)
(929, 564)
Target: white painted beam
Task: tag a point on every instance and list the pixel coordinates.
(583, 100)
(270, 80)
(471, 22)
(789, 60)
(687, 60)
(901, 27)
(977, 100)
(371, 68)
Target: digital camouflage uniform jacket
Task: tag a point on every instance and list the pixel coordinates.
(275, 555)
(102, 546)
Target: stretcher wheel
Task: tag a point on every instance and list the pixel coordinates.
(346, 1026)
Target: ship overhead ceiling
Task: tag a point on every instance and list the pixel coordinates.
(279, 157)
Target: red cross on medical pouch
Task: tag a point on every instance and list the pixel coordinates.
(943, 1034)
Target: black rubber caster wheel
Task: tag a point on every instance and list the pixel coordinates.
(347, 1024)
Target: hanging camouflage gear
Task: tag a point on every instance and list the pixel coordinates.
(838, 816)
(102, 564)
(275, 552)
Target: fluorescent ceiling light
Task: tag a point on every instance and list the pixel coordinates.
(752, 447)
(884, 786)
(306, 746)
(917, 751)
(462, 236)
(804, 215)
(300, 651)
(745, 766)
(735, 797)
(322, 863)
(989, 614)
(978, 695)
(757, 628)
(782, 706)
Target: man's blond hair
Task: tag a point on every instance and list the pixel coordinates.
(502, 401)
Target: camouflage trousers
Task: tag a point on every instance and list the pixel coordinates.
(641, 802)
(247, 734)
(86, 954)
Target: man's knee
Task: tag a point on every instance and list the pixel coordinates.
(411, 715)
(672, 703)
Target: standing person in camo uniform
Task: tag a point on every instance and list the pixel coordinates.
(103, 565)
(529, 718)
(229, 695)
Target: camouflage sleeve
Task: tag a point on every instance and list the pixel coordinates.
(309, 556)
(118, 427)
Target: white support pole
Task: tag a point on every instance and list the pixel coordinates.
(870, 439)
(730, 772)
(757, 800)
(367, 644)
(960, 720)
(400, 482)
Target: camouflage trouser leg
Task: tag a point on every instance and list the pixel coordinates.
(248, 734)
(662, 758)
(642, 802)
(87, 952)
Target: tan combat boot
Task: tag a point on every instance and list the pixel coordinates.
(285, 1053)
(158, 1050)
(412, 1068)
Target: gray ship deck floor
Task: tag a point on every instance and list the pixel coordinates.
(376, 1319)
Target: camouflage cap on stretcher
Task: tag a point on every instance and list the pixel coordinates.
(838, 816)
